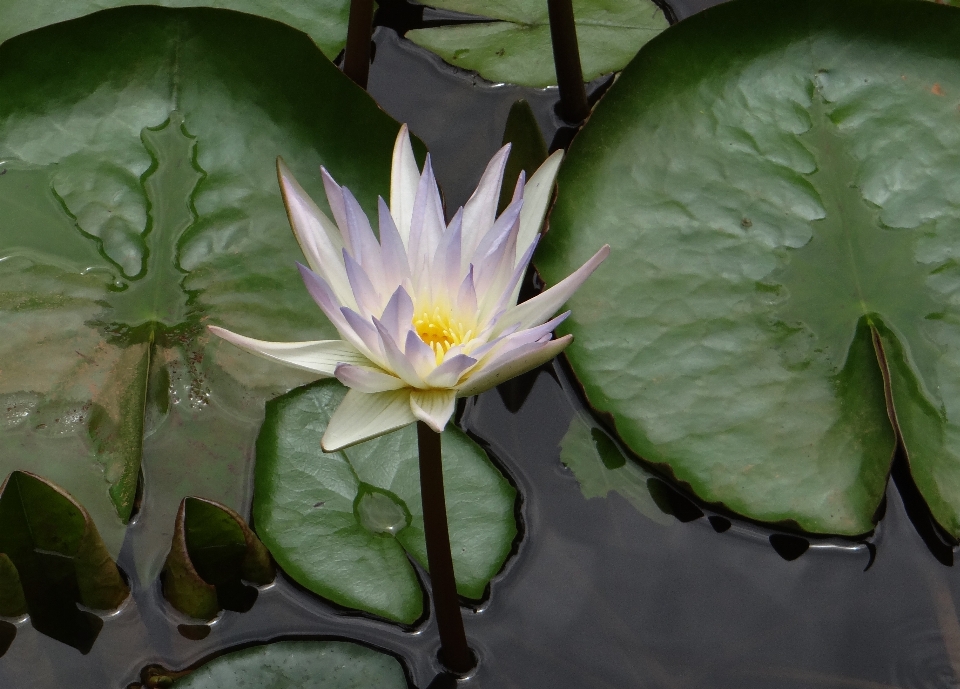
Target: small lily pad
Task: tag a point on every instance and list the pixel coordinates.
(299, 665)
(213, 553)
(517, 49)
(343, 523)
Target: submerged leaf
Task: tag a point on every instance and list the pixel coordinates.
(300, 665)
(518, 49)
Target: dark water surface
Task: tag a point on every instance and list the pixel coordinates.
(601, 592)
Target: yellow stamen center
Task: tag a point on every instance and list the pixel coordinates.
(440, 331)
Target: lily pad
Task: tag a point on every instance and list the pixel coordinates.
(778, 185)
(325, 21)
(343, 523)
(299, 665)
(517, 48)
(212, 554)
(138, 202)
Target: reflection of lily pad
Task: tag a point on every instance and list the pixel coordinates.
(139, 201)
(325, 21)
(777, 185)
(517, 49)
(299, 665)
(343, 523)
(601, 468)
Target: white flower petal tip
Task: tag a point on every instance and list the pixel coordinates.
(363, 416)
(428, 312)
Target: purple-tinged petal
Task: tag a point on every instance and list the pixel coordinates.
(396, 268)
(538, 309)
(404, 179)
(510, 291)
(397, 361)
(426, 224)
(363, 416)
(337, 207)
(323, 295)
(467, 296)
(364, 242)
(446, 260)
(447, 374)
(367, 379)
(513, 364)
(433, 407)
(397, 317)
(497, 234)
(419, 353)
(320, 356)
(368, 299)
(480, 211)
(366, 332)
(507, 343)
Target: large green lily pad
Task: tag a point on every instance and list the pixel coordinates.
(343, 523)
(299, 665)
(139, 202)
(325, 21)
(517, 48)
(778, 183)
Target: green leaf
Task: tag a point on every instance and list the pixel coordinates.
(38, 519)
(776, 184)
(342, 523)
(299, 665)
(325, 21)
(213, 549)
(601, 468)
(138, 203)
(528, 149)
(518, 49)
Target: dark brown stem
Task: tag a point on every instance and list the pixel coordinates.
(454, 652)
(356, 57)
(566, 60)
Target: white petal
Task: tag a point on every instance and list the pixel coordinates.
(320, 356)
(367, 379)
(447, 374)
(433, 407)
(404, 178)
(362, 416)
(538, 309)
(317, 235)
(537, 194)
(467, 296)
(515, 363)
(481, 210)
(512, 288)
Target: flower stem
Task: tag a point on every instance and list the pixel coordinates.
(356, 57)
(454, 652)
(566, 60)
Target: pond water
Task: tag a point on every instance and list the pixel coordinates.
(649, 590)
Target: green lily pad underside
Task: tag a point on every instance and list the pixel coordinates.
(344, 524)
(517, 48)
(138, 203)
(325, 21)
(778, 183)
(299, 665)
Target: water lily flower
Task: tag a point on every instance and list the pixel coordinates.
(429, 312)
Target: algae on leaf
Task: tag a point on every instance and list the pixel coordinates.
(516, 48)
(777, 185)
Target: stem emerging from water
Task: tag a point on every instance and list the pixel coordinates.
(453, 641)
(356, 57)
(566, 60)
